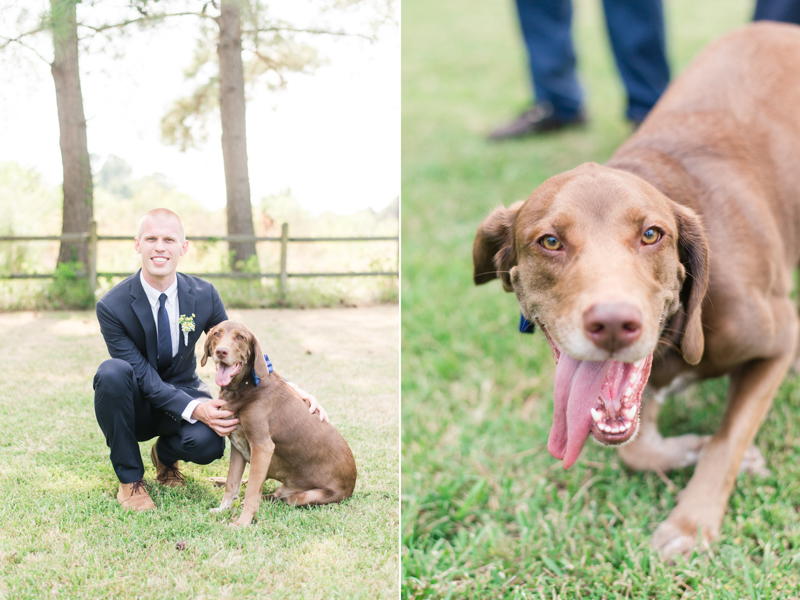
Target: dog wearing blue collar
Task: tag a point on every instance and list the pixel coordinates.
(276, 433)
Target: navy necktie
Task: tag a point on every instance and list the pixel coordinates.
(164, 336)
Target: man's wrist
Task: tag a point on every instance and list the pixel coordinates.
(188, 412)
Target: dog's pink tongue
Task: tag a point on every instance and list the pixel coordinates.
(576, 389)
(226, 373)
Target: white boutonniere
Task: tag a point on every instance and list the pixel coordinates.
(187, 325)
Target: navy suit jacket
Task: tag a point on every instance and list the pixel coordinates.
(129, 330)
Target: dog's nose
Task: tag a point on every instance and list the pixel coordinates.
(221, 352)
(612, 325)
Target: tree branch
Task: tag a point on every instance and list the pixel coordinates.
(22, 35)
(18, 40)
(313, 31)
(272, 65)
(148, 18)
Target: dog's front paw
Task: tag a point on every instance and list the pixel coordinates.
(675, 537)
(222, 507)
(654, 453)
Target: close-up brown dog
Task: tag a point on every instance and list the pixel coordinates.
(276, 433)
(671, 264)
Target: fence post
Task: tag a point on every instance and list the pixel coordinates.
(92, 259)
(284, 247)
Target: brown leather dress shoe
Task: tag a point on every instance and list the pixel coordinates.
(167, 475)
(134, 496)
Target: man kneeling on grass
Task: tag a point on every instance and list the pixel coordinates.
(149, 387)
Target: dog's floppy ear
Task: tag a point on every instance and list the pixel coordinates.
(259, 364)
(207, 346)
(493, 253)
(693, 252)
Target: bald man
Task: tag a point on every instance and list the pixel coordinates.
(149, 388)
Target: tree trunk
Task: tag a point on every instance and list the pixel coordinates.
(234, 136)
(77, 186)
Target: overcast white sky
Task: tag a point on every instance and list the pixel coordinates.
(333, 137)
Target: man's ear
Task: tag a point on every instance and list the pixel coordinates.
(207, 347)
(693, 253)
(493, 253)
(259, 364)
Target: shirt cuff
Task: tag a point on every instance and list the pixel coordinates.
(187, 413)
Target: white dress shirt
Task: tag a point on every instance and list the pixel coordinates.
(173, 312)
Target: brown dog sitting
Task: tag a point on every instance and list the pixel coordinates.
(276, 434)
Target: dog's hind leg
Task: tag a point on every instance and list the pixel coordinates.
(312, 497)
(281, 493)
(234, 481)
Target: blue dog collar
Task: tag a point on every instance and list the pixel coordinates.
(526, 326)
(269, 368)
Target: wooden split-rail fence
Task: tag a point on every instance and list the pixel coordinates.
(92, 239)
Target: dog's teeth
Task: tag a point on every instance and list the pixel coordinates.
(638, 363)
(633, 378)
(629, 412)
(628, 391)
(597, 415)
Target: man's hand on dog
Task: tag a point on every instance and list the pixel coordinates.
(314, 406)
(220, 421)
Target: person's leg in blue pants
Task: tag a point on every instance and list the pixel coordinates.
(787, 11)
(547, 31)
(638, 40)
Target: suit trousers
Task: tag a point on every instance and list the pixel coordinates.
(786, 11)
(638, 40)
(127, 419)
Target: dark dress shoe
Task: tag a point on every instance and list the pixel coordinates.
(540, 118)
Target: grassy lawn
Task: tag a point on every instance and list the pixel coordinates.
(62, 533)
(487, 512)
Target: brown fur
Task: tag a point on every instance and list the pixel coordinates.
(714, 166)
(276, 433)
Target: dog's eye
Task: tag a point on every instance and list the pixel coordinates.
(216, 334)
(239, 337)
(550, 242)
(651, 236)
